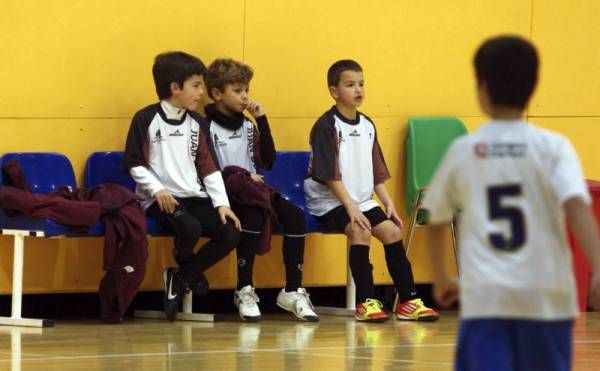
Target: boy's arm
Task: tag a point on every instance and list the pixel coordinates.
(207, 165)
(135, 161)
(380, 175)
(354, 213)
(215, 187)
(388, 204)
(584, 226)
(266, 146)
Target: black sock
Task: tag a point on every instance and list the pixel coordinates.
(246, 251)
(293, 258)
(362, 272)
(400, 270)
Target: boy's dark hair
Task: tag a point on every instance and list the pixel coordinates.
(174, 67)
(509, 67)
(336, 69)
(226, 71)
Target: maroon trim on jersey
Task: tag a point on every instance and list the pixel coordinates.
(380, 170)
(137, 145)
(324, 142)
(205, 160)
(324, 163)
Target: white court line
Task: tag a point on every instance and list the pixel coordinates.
(218, 351)
(236, 350)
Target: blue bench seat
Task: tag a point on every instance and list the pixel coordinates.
(45, 172)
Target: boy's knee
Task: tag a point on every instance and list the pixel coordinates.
(388, 232)
(358, 234)
(189, 232)
(395, 233)
(229, 236)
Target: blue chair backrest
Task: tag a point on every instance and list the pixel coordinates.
(105, 167)
(287, 175)
(44, 171)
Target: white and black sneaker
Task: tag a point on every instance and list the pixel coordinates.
(174, 290)
(245, 300)
(297, 302)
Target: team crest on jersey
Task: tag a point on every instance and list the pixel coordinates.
(340, 137)
(217, 142)
(158, 137)
(481, 150)
(500, 149)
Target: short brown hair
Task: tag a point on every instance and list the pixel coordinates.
(174, 67)
(335, 71)
(226, 71)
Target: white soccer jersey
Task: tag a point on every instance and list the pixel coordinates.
(234, 147)
(348, 151)
(172, 154)
(510, 179)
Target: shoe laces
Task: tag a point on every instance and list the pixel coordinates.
(373, 305)
(248, 297)
(418, 302)
(303, 299)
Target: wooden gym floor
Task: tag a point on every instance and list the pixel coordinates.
(276, 343)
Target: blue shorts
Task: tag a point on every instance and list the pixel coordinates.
(507, 344)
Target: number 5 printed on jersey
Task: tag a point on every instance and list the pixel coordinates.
(514, 215)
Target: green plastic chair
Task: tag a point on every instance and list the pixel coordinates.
(427, 142)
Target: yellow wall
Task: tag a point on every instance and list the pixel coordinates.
(73, 73)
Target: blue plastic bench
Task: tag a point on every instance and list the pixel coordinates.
(287, 177)
(45, 172)
(105, 167)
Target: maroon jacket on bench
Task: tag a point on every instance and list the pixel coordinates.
(125, 244)
(241, 188)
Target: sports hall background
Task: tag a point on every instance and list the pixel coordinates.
(73, 72)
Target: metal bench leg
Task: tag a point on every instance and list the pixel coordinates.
(17, 285)
(186, 315)
(350, 294)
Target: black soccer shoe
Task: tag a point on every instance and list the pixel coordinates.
(174, 291)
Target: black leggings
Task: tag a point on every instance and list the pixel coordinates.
(291, 220)
(195, 218)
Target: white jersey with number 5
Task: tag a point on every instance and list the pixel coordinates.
(510, 180)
